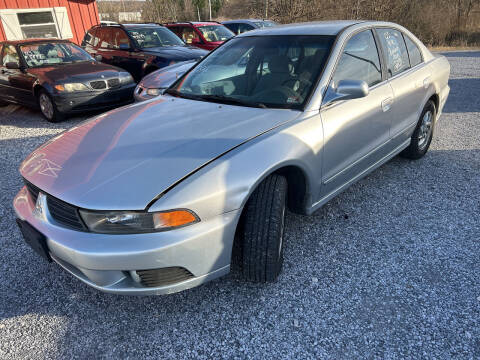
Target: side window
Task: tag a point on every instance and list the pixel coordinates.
(188, 34)
(105, 38)
(119, 37)
(233, 28)
(244, 28)
(413, 51)
(90, 38)
(10, 55)
(396, 51)
(359, 60)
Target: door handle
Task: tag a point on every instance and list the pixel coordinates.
(387, 104)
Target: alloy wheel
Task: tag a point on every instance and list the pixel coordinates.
(46, 106)
(426, 128)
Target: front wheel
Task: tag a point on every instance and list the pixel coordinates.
(263, 232)
(48, 108)
(423, 133)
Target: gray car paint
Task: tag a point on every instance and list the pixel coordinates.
(172, 153)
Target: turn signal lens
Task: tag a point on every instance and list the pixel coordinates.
(173, 219)
(135, 222)
(60, 87)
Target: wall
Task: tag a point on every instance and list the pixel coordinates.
(83, 14)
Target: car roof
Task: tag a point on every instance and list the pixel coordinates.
(195, 23)
(33, 41)
(244, 21)
(307, 28)
(135, 25)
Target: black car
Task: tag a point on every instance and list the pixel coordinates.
(138, 48)
(60, 78)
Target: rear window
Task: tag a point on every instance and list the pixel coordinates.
(396, 51)
(413, 51)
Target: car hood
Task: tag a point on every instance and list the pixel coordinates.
(82, 71)
(177, 52)
(166, 76)
(123, 159)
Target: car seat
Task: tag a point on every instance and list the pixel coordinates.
(279, 73)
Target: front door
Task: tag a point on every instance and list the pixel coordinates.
(356, 131)
(13, 82)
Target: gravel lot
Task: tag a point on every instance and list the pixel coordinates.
(389, 269)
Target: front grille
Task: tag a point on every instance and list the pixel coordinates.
(163, 276)
(65, 214)
(97, 85)
(33, 190)
(113, 83)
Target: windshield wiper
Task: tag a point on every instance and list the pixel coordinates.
(216, 98)
(232, 101)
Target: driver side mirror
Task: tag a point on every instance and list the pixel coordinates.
(12, 65)
(347, 89)
(196, 41)
(124, 46)
(98, 57)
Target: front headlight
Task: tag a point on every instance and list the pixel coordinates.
(154, 92)
(134, 222)
(125, 78)
(71, 87)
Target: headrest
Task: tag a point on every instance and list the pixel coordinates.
(278, 64)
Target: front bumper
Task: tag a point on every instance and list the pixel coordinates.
(94, 100)
(109, 262)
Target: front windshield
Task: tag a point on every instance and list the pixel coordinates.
(49, 53)
(149, 37)
(215, 32)
(265, 71)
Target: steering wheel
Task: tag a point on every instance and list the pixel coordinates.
(275, 93)
(300, 81)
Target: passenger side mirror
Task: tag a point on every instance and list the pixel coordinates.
(12, 65)
(347, 89)
(196, 41)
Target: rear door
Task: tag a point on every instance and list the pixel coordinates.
(409, 82)
(356, 131)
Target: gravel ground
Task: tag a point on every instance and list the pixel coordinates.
(389, 269)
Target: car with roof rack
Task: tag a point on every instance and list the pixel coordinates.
(59, 78)
(163, 195)
(206, 35)
(138, 48)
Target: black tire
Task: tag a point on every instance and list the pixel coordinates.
(263, 230)
(52, 115)
(417, 147)
(3, 103)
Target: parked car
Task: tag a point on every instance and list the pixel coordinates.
(204, 35)
(138, 48)
(242, 25)
(155, 83)
(149, 199)
(60, 78)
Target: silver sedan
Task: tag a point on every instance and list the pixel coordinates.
(154, 197)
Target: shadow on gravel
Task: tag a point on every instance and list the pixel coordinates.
(464, 96)
(380, 258)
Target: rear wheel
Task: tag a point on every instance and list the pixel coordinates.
(48, 108)
(423, 134)
(263, 230)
